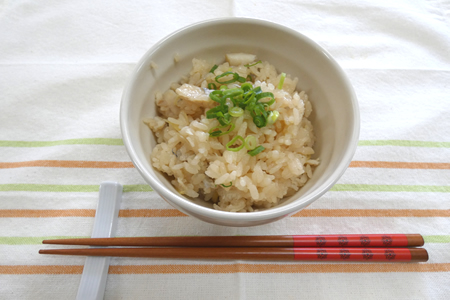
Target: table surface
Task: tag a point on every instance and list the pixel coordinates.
(63, 66)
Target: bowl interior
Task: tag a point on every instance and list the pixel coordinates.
(335, 113)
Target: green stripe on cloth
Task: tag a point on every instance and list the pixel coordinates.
(87, 141)
(119, 142)
(437, 238)
(32, 240)
(36, 240)
(389, 188)
(67, 188)
(404, 143)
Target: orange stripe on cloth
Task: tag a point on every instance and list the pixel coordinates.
(141, 213)
(67, 164)
(398, 165)
(46, 213)
(373, 213)
(38, 270)
(156, 213)
(235, 268)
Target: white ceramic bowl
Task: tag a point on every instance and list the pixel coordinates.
(335, 108)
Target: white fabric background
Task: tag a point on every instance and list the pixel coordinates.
(63, 65)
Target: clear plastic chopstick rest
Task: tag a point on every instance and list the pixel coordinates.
(95, 271)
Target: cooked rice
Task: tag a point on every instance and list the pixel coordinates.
(199, 164)
(176, 57)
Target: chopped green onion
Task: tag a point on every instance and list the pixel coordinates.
(270, 102)
(257, 90)
(259, 109)
(231, 143)
(217, 111)
(236, 111)
(249, 99)
(264, 95)
(273, 116)
(235, 77)
(250, 142)
(280, 84)
(259, 121)
(251, 65)
(212, 86)
(256, 151)
(249, 77)
(232, 93)
(215, 132)
(235, 101)
(217, 96)
(241, 79)
(243, 98)
(246, 87)
(224, 119)
(213, 69)
(227, 186)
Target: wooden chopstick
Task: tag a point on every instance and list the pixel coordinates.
(259, 253)
(349, 240)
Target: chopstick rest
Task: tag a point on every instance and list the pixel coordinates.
(93, 280)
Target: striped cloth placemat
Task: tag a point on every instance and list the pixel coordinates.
(62, 70)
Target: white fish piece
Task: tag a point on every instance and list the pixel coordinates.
(192, 93)
(236, 59)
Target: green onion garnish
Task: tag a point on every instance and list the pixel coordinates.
(266, 95)
(257, 90)
(259, 121)
(226, 186)
(249, 78)
(235, 77)
(217, 96)
(241, 79)
(213, 69)
(243, 98)
(246, 87)
(236, 111)
(249, 100)
(215, 132)
(224, 119)
(273, 116)
(251, 65)
(231, 143)
(256, 151)
(280, 84)
(212, 86)
(232, 93)
(216, 112)
(250, 142)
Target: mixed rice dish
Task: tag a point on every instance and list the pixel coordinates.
(235, 134)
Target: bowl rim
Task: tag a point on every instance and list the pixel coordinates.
(272, 213)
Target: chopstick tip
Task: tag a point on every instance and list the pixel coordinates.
(51, 241)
